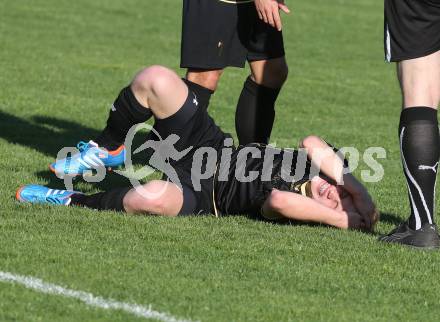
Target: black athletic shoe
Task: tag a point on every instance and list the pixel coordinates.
(425, 237)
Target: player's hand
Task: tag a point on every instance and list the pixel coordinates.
(366, 208)
(350, 220)
(355, 221)
(269, 12)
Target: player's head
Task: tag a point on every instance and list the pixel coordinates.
(335, 197)
(330, 195)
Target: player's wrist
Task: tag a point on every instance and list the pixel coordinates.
(339, 220)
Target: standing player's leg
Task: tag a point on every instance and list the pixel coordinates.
(210, 41)
(419, 135)
(255, 113)
(207, 78)
(420, 81)
(415, 47)
(265, 54)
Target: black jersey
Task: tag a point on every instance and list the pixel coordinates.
(270, 168)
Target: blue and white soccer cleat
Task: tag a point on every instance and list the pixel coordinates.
(37, 194)
(90, 156)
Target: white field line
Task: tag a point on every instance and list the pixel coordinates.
(88, 298)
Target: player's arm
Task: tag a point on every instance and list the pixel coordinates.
(289, 205)
(332, 166)
(269, 11)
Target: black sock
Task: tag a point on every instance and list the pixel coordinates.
(203, 94)
(126, 112)
(255, 113)
(110, 200)
(420, 144)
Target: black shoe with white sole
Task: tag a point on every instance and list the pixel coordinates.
(425, 237)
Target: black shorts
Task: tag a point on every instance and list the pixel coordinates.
(412, 29)
(196, 129)
(217, 34)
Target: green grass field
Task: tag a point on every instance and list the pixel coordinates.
(61, 65)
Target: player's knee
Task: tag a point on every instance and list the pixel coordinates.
(273, 79)
(273, 75)
(419, 98)
(131, 202)
(155, 205)
(155, 199)
(138, 203)
(155, 79)
(280, 73)
(208, 79)
(148, 199)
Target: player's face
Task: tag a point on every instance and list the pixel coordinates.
(331, 196)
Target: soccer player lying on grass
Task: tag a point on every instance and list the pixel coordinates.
(180, 108)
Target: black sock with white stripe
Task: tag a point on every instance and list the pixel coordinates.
(126, 111)
(420, 151)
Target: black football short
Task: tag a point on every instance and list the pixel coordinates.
(195, 128)
(412, 29)
(219, 33)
